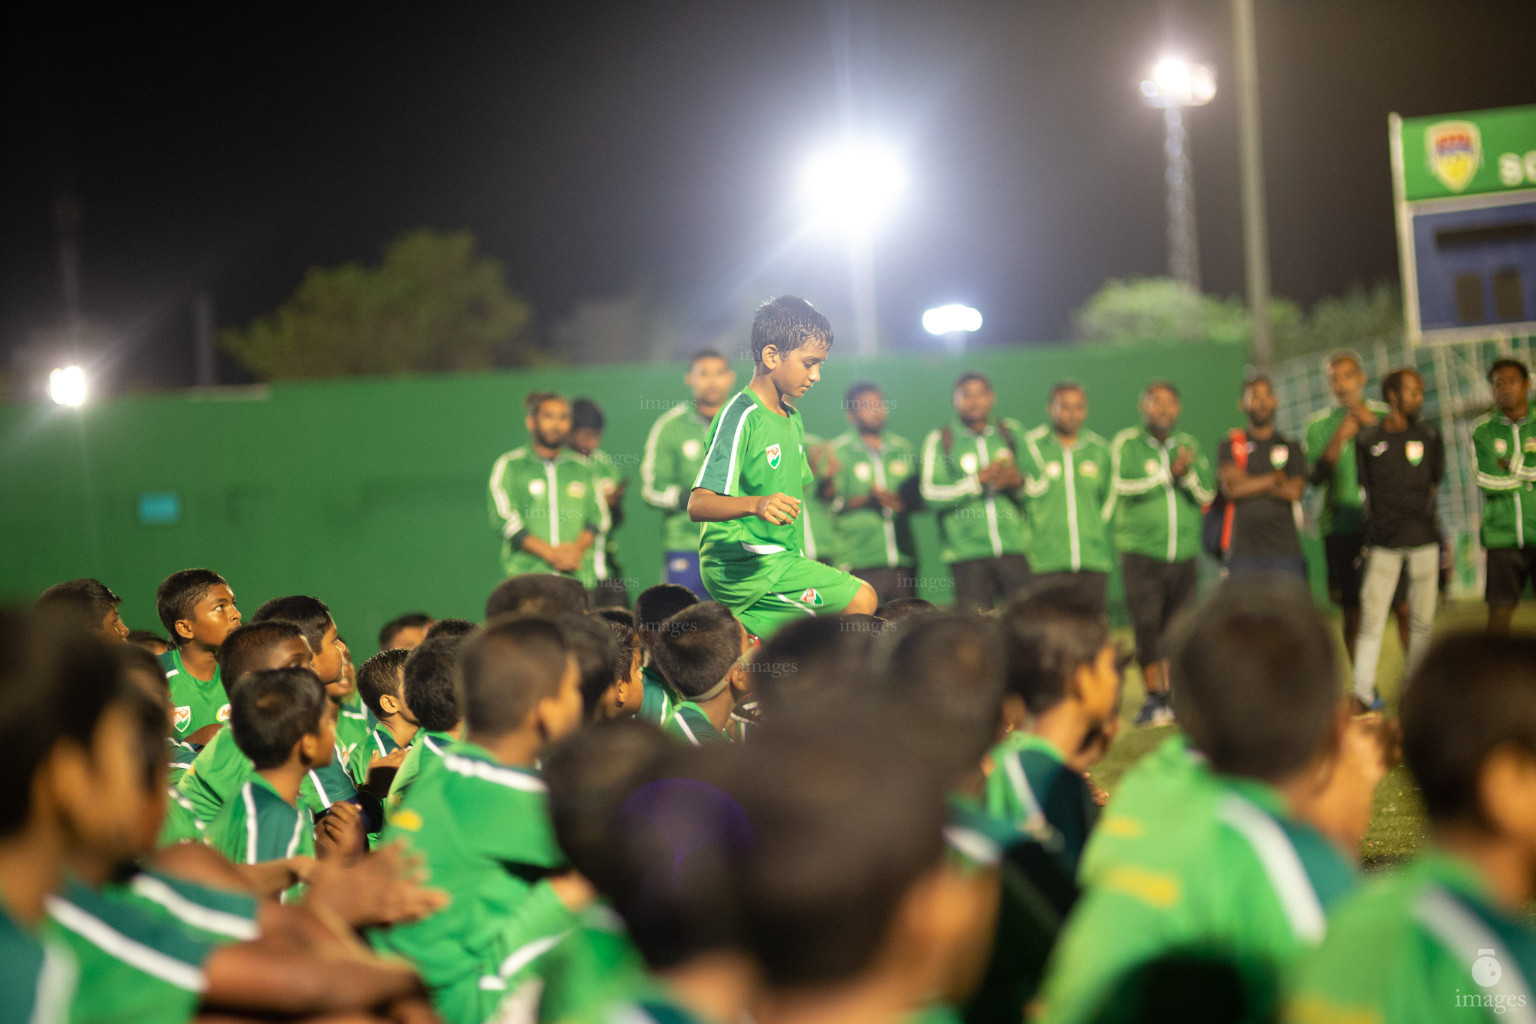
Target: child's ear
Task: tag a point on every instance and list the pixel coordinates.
(389, 705)
(1506, 793)
(308, 748)
(1014, 715)
(184, 628)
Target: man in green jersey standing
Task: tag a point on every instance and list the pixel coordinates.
(1504, 445)
(875, 480)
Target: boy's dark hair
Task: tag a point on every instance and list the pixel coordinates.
(946, 674)
(427, 684)
(810, 664)
(1472, 694)
(1343, 355)
(536, 399)
(272, 710)
(970, 375)
(392, 628)
(787, 323)
(589, 639)
(697, 647)
(858, 388)
(244, 648)
(1164, 385)
(613, 613)
(1256, 378)
(657, 604)
(381, 675)
(143, 637)
(1493, 368)
(586, 415)
(451, 628)
(1066, 385)
(623, 633)
(1392, 383)
(308, 613)
(1267, 635)
(706, 353)
(504, 671)
(812, 918)
(55, 683)
(536, 593)
(899, 608)
(89, 601)
(590, 774)
(133, 658)
(1048, 634)
(179, 593)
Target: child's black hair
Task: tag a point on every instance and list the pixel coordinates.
(379, 676)
(657, 604)
(862, 387)
(1392, 383)
(706, 353)
(1472, 694)
(452, 628)
(308, 613)
(392, 628)
(589, 639)
(90, 601)
(586, 415)
(1255, 679)
(623, 632)
(787, 323)
(144, 637)
(272, 710)
(536, 593)
(1503, 364)
(899, 608)
(945, 676)
(812, 663)
(697, 647)
(427, 684)
(614, 613)
(590, 774)
(504, 671)
(179, 593)
(146, 706)
(1048, 634)
(247, 645)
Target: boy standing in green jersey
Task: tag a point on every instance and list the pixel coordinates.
(674, 451)
(1448, 936)
(198, 609)
(750, 489)
(702, 652)
(479, 822)
(379, 683)
(431, 704)
(1239, 873)
(874, 485)
(1162, 482)
(1063, 665)
(586, 435)
(1068, 489)
(543, 498)
(654, 606)
(971, 479)
(1504, 445)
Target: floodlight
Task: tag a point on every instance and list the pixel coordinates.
(1176, 82)
(951, 319)
(66, 386)
(854, 184)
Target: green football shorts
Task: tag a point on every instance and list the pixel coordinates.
(770, 590)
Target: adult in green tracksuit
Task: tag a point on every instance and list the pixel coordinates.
(1504, 447)
(1162, 481)
(586, 434)
(674, 453)
(970, 477)
(543, 499)
(823, 541)
(1067, 474)
(874, 489)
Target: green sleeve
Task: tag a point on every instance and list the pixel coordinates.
(275, 825)
(1491, 477)
(659, 485)
(180, 824)
(215, 776)
(1200, 480)
(503, 509)
(731, 436)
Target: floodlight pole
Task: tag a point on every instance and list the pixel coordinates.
(1183, 247)
(1251, 161)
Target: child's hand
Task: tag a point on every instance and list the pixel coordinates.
(393, 759)
(340, 834)
(777, 509)
(386, 887)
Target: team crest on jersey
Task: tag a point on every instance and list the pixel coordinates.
(774, 453)
(223, 714)
(1455, 152)
(862, 471)
(1378, 448)
(1279, 455)
(1501, 446)
(1089, 469)
(968, 462)
(183, 717)
(1053, 469)
(810, 596)
(576, 489)
(1415, 452)
(692, 448)
(1151, 466)
(535, 487)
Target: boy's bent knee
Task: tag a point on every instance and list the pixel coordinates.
(864, 602)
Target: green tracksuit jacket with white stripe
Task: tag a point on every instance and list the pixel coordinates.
(674, 453)
(1068, 492)
(552, 499)
(873, 536)
(1506, 471)
(1154, 514)
(975, 521)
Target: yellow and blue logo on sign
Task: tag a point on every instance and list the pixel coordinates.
(1455, 152)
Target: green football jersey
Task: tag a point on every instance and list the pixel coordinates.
(179, 755)
(134, 967)
(1033, 788)
(1172, 779)
(606, 478)
(426, 751)
(690, 724)
(674, 451)
(380, 741)
(872, 535)
(975, 520)
(1423, 945)
(753, 451)
(354, 726)
(554, 500)
(197, 703)
(181, 824)
(1248, 882)
(595, 964)
(259, 825)
(658, 700)
(1154, 514)
(1067, 491)
(218, 916)
(1342, 495)
(220, 768)
(38, 974)
(482, 831)
(1506, 474)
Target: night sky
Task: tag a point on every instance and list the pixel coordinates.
(604, 149)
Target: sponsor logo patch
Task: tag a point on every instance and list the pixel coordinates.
(1151, 467)
(775, 454)
(810, 596)
(223, 714)
(900, 467)
(1455, 152)
(1501, 446)
(1378, 448)
(968, 462)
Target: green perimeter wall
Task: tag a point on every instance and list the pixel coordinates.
(371, 493)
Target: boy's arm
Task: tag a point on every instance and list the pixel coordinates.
(705, 506)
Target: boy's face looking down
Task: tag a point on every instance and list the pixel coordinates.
(212, 618)
(710, 380)
(550, 423)
(795, 371)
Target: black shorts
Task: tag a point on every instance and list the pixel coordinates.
(1510, 570)
(1345, 555)
(1155, 592)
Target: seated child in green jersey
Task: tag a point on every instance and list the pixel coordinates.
(625, 697)
(702, 653)
(1232, 871)
(589, 638)
(197, 609)
(654, 606)
(93, 604)
(478, 821)
(430, 703)
(545, 594)
(1063, 665)
(379, 683)
(749, 491)
(1448, 936)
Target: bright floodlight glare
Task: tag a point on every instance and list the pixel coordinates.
(854, 184)
(951, 319)
(1178, 83)
(66, 386)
